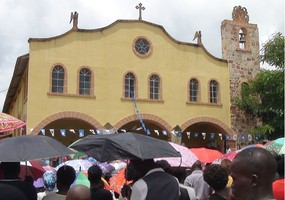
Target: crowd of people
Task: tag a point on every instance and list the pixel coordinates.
(254, 174)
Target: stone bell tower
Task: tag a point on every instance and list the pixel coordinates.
(240, 47)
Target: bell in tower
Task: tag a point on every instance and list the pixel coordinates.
(241, 39)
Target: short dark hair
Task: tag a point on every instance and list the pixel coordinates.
(216, 176)
(65, 175)
(11, 169)
(94, 174)
(197, 165)
(165, 166)
(256, 161)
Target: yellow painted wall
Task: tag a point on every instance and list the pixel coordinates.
(109, 54)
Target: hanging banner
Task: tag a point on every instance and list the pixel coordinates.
(164, 132)
(242, 137)
(92, 131)
(212, 136)
(72, 130)
(51, 132)
(81, 132)
(235, 136)
(204, 136)
(157, 132)
(228, 137)
(221, 136)
(43, 131)
(62, 132)
(249, 137)
(188, 135)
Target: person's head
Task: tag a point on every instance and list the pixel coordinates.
(65, 177)
(227, 164)
(197, 165)
(165, 166)
(78, 192)
(143, 166)
(9, 192)
(49, 178)
(280, 166)
(131, 173)
(11, 169)
(179, 173)
(253, 171)
(95, 174)
(216, 176)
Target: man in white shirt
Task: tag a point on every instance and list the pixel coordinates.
(196, 180)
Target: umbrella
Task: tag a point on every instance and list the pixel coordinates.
(77, 164)
(229, 156)
(206, 155)
(252, 146)
(126, 145)
(276, 145)
(30, 147)
(187, 157)
(82, 178)
(118, 180)
(8, 122)
(33, 168)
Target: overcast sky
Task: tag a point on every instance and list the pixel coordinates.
(24, 19)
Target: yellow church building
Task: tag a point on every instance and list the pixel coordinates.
(128, 76)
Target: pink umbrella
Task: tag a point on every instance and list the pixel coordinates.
(253, 146)
(187, 160)
(206, 155)
(229, 156)
(8, 122)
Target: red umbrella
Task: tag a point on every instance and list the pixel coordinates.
(206, 155)
(8, 122)
(33, 168)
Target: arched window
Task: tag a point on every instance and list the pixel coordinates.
(84, 81)
(193, 90)
(214, 91)
(58, 74)
(130, 82)
(154, 85)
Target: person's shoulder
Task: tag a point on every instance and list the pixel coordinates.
(54, 196)
(107, 192)
(101, 194)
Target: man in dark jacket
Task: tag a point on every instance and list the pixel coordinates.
(96, 185)
(155, 184)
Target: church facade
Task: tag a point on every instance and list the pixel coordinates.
(133, 76)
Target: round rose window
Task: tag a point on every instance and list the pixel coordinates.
(142, 47)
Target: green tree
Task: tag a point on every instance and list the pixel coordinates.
(263, 97)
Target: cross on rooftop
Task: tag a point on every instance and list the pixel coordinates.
(140, 7)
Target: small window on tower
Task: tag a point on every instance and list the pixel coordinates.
(241, 39)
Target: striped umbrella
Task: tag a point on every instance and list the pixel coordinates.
(276, 145)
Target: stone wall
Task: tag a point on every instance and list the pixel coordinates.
(243, 61)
